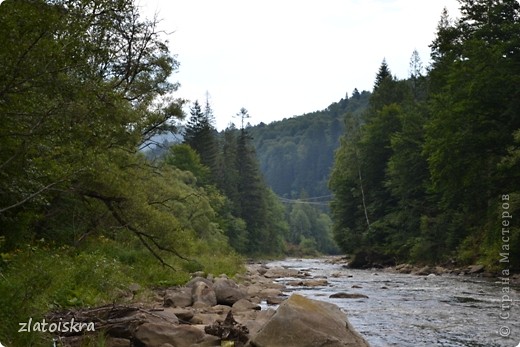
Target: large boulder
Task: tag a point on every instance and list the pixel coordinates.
(227, 291)
(180, 297)
(158, 334)
(302, 322)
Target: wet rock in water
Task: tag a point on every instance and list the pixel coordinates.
(315, 283)
(227, 291)
(343, 295)
(278, 272)
(270, 293)
(158, 334)
(302, 322)
(276, 300)
(308, 283)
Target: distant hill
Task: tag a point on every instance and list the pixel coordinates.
(297, 154)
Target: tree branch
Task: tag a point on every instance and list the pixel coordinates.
(146, 239)
(33, 195)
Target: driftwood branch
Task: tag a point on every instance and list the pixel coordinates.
(229, 330)
(114, 320)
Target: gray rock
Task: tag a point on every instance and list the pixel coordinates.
(203, 295)
(167, 315)
(275, 300)
(180, 297)
(348, 296)
(424, 271)
(227, 291)
(262, 270)
(475, 269)
(302, 322)
(244, 305)
(278, 272)
(117, 342)
(158, 334)
(183, 314)
(194, 281)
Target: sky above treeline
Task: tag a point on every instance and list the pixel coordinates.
(280, 59)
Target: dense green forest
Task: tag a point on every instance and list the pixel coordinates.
(296, 154)
(429, 171)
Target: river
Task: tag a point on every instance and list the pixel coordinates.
(408, 310)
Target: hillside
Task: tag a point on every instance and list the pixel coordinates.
(296, 154)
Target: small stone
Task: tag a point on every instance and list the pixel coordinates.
(183, 314)
(474, 269)
(275, 300)
(244, 305)
(348, 296)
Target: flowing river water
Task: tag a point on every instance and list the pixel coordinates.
(408, 310)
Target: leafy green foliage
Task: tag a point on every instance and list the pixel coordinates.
(83, 85)
(310, 229)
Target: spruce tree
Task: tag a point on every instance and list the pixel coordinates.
(200, 135)
(382, 74)
(251, 193)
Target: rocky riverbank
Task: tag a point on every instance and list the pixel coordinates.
(367, 262)
(249, 310)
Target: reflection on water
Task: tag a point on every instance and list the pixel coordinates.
(407, 310)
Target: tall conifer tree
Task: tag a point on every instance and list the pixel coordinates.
(200, 135)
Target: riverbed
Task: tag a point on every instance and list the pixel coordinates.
(408, 310)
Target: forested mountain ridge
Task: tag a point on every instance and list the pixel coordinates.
(296, 154)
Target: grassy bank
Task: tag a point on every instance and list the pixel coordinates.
(42, 278)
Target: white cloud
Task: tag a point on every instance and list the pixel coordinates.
(285, 58)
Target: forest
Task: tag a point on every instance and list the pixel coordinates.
(296, 154)
(423, 169)
(432, 168)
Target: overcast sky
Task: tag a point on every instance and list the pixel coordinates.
(281, 58)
